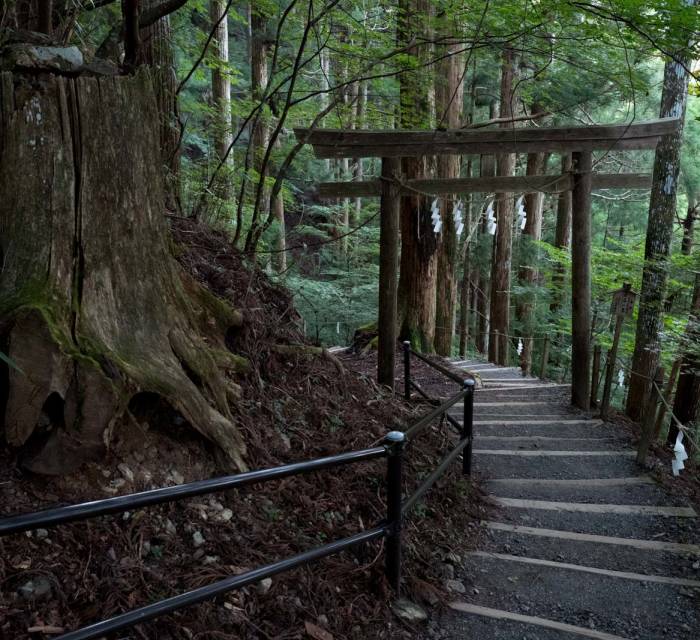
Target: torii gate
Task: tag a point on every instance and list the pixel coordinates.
(581, 141)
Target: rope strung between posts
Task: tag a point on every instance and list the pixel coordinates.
(681, 427)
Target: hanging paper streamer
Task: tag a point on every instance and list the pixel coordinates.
(520, 346)
(520, 212)
(621, 377)
(490, 219)
(435, 216)
(457, 216)
(680, 455)
(337, 327)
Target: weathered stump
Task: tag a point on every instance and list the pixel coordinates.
(93, 307)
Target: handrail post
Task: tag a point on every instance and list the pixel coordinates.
(468, 426)
(407, 369)
(394, 442)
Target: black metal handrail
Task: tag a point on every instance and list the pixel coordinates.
(397, 508)
(120, 504)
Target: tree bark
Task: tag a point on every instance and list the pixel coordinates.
(662, 211)
(503, 241)
(487, 167)
(418, 270)
(157, 53)
(388, 264)
(562, 238)
(689, 224)
(449, 96)
(221, 98)
(260, 134)
(581, 280)
(528, 274)
(93, 307)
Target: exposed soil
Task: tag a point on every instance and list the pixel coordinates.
(296, 404)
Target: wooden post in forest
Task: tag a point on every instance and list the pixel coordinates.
(668, 391)
(545, 358)
(581, 280)
(595, 375)
(622, 307)
(387, 320)
(649, 414)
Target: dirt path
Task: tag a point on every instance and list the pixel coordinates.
(583, 543)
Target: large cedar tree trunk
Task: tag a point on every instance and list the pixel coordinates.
(93, 307)
(418, 269)
(503, 241)
(449, 94)
(662, 212)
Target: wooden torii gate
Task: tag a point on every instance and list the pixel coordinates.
(394, 144)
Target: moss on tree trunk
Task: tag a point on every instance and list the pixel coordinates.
(93, 307)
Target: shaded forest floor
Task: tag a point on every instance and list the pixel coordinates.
(296, 404)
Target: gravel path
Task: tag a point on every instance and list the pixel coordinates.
(598, 554)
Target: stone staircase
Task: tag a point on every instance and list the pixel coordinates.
(581, 542)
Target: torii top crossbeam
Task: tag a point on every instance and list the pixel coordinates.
(341, 143)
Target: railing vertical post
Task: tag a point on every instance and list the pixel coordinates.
(468, 426)
(407, 369)
(395, 442)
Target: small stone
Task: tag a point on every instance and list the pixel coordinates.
(210, 559)
(455, 585)
(447, 571)
(176, 477)
(453, 558)
(696, 565)
(126, 471)
(322, 620)
(408, 611)
(145, 549)
(264, 585)
(197, 539)
(170, 527)
(225, 515)
(36, 589)
(112, 554)
(42, 533)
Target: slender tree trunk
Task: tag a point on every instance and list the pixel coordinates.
(662, 211)
(503, 241)
(258, 82)
(689, 224)
(221, 97)
(686, 404)
(528, 275)
(562, 238)
(487, 168)
(360, 108)
(465, 294)
(449, 95)
(418, 270)
(157, 53)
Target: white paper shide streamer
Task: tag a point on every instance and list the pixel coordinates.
(520, 212)
(520, 346)
(490, 219)
(680, 455)
(435, 216)
(621, 378)
(457, 217)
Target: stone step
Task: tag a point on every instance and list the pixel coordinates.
(626, 605)
(620, 554)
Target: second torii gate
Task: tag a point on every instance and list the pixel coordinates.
(392, 145)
